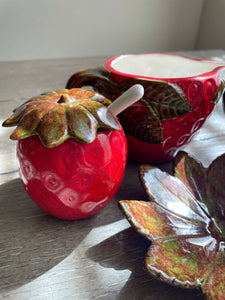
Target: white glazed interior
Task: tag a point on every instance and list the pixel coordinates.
(162, 66)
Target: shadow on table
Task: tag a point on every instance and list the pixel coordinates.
(32, 242)
(126, 251)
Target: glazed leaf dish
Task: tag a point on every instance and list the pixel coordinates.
(185, 221)
(57, 116)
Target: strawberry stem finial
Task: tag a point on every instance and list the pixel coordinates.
(65, 98)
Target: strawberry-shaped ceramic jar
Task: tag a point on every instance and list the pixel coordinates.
(71, 150)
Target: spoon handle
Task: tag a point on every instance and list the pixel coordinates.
(132, 95)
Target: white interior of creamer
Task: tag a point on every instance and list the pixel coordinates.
(162, 66)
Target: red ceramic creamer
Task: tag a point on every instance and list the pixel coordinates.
(180, 93)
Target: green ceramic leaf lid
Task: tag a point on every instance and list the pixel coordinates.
(57, 116)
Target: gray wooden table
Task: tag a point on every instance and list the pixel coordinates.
(42, 257)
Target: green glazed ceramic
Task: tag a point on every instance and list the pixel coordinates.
(185, 221)
(63, 114)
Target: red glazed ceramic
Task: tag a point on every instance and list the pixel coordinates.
(72, 152)
(180, 93)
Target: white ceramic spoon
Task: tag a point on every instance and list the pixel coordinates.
(132, 95)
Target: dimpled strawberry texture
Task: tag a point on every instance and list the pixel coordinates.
(73, 180)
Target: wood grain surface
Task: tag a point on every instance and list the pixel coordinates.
(42, 257)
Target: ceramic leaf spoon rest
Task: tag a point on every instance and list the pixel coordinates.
(71, 150)
(180, 93)
(185, 221)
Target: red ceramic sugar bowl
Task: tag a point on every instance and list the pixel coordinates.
(180, 93)
(71, 150)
